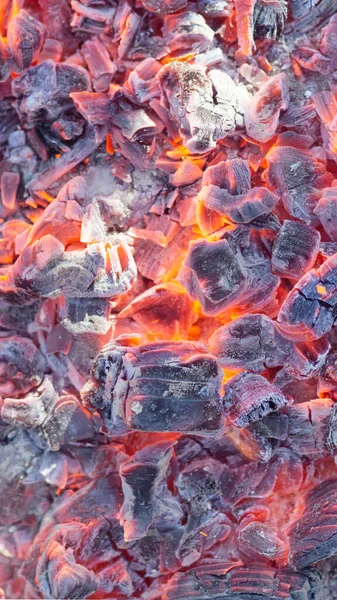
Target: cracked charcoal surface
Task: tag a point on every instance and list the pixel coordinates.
(168, 299)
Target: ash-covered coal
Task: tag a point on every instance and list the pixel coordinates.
(168, 299)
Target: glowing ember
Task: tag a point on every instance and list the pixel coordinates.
(168, 299)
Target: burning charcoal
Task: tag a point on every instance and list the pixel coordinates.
(311, 429)
(19, 499)
(260, 539)
(46, 88)
(326, 210)
(187, 30)
(248, 398)
(308, 310)
(307, 358)
(9, 186)
(298, 389)
(164, 311)
(212, 274)
(146, 496)
(33, 409)
(296, 175)
(102, 270)
(188, 92)
(100, 66)
(233, 581)
(202, 533)
(295, 249)
(327, 381)
(269, 19)
(80, 315)
(68, 422)
(250, 342)
(177, 388)
(263, 112)
(22, 365)
(313, 536)
(164, 6)
(25, 38)
(62, 218)
(299, 8)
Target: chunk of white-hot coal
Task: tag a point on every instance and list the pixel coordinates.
(188, 92)
(226, 190)
(295, 249)
(308, 311)
(146, 495)
(263, 112)
(234, 582)
(314, 536)
(251, 342)
(164, 386)
(249, 398)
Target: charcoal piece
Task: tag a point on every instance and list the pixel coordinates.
(57, 573)
(307, 358)
(263, 112)
(164, 311)
(45, 88)
(202, 532)
(296, 175)
(231, 175)
(146, 496)
(251, 342)
(164, 386)
(269, 19)
(300, 8)
(326, 210)
(32, 410)
(25, 38)
(311, 427)
(212, 274)
(89, 315)
(187, 30)
(94, 107)
(295, 249)
(251, 252)
(22, 365)
(327, 380)
(101, 68)
(298, 389)
(68, 422)
(188, 93)
(248, 398)
(199, 483)
(261, 539)
(62, 218)
(231, 581)
(18, 499)
(103, 270)
(314, 536)
(327, 249)
(308, 311)
(5, 61)
(164, 6)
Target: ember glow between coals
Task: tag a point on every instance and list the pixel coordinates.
(168, 299)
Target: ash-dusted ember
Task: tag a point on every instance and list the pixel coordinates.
(168, 299)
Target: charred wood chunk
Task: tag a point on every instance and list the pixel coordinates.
(85, 315)
(146, 496)
(164, 6)
(300, 8)
(43, 90)
(263, 112)
(296, 174)
(22, 365)
(261, 539)
(189, 95)
(187, 30)
(269, 19)
(236, 582)
(295, 249)
(68, 422)
(314, 536)
(308, 312)
(25, 38)
(249, 398)
(32, 410)
(326, 210)
(164, 386)
(307, 358)
(213, 275)
(251, 342)
(312, 427)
